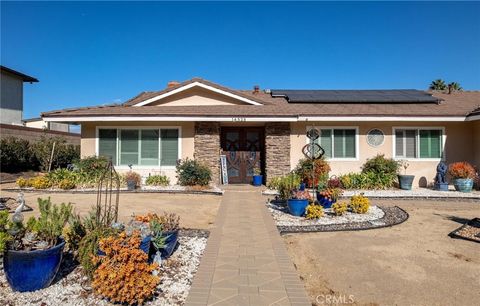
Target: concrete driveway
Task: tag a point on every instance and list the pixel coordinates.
(414, 263)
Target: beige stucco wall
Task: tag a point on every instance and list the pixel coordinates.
(197, 97)
(88, 143)
(458, 146)
(475, 128)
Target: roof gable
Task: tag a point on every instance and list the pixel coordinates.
(196, 83)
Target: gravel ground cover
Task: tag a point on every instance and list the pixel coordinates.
(71, 288)
(376, 217)
(405, 194)
(469, 231)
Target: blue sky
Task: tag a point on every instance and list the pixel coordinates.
(87, 53)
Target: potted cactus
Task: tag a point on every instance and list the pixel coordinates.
(462, 174)
(298, 202)
(32, 252)
(257, 177)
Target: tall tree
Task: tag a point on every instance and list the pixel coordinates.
(454, 86)
(438, 84)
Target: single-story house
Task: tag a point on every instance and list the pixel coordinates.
(267, 128)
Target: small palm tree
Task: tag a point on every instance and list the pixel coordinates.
(454, 86)
(438, 84)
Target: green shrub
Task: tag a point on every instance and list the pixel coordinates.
(191, 173)
(286, 184)
(157, 180)
(367, 180)
(313, 211)
(40, 182)
(63, 154)
(359, 204)
(339, 208)
(66, 184)
(381, 165)
(89, 170)
(16, 155)
(305, 167)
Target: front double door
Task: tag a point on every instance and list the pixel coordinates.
(243, 147)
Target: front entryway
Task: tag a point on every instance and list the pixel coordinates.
(244, 149)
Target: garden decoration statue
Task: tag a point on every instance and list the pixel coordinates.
(440, 180)
(313, 151)
(108, 187)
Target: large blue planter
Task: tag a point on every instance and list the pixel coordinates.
(405, 181)
(170, 243)
(326, 203)
(297, 207)
(463, 185)
(32, 270)
(257, 180)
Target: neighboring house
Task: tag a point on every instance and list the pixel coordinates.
(11, 102)
(199, 119)
(39, 123)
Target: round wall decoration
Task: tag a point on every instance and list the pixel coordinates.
(375, 137)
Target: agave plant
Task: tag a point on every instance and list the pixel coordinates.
(438, 84)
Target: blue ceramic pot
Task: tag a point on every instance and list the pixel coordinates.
(463, 185)
(441, 186)
(32, 270)
(297, 207)
(405, 181)
(170, 243)
(301, 187)
(257, 180)
(326, 203)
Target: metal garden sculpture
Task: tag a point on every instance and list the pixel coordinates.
(313, 151)
(108, 192)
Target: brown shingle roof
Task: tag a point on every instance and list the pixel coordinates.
(455, 104)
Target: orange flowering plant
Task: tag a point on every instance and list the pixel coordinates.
(124, 276)
(461, 170)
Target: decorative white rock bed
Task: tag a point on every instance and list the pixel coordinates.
(283, 218)
(176, 278)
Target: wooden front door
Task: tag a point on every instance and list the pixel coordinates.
(243, 147)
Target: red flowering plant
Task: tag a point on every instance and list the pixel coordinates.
(461, 170)
(300, 195)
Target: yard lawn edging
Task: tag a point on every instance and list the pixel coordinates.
(213, 191)
(392, 216)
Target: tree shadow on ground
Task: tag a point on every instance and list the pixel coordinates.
(459, 220)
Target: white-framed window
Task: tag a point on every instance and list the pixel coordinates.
(339, 143)
(418, 143)
(145, 146)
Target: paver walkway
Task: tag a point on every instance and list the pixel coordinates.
(245, 261)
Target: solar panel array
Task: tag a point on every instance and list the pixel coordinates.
(355, 96)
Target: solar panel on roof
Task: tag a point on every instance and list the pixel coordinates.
(355, 96)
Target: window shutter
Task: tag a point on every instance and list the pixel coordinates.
(129, 147)
(107, 144)
(149, 147)
(326, 142)
(399, 149)
(349, 140)
(169, 144)
(410, 144)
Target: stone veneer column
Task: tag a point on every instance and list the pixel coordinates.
(207, 147)
(277, 149)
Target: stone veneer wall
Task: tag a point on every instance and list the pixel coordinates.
(207, 147)
(277, 149)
